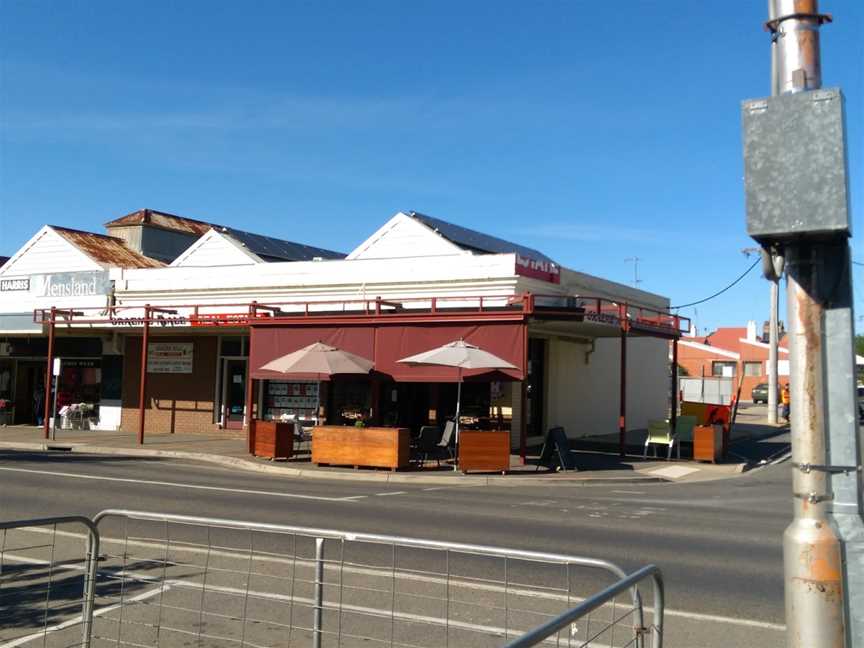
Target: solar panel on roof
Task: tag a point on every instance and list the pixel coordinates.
(280, 250)
(474, 240)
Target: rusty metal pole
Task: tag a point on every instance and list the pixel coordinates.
(812, 553)
(49, 375)
(142, 387)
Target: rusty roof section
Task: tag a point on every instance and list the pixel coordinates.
(163, 220)
(107, 250)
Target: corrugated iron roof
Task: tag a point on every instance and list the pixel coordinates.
(163, 220)
(266, 247)
(273, 249)
(107, 250)
(477, 241)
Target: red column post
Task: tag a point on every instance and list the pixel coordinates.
(49, 376)
(523, 420)
(622, 409)
(673, 417)
(142, 388)
(250, 394)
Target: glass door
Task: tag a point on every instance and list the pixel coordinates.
(234, 393)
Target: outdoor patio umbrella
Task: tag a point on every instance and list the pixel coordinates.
(321, 359)
(462, 355)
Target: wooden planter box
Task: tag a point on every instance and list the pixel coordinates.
(484, 450)
(271, 439)
(707, 443)
(375, 447)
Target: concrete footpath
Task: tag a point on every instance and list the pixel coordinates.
(752, 445)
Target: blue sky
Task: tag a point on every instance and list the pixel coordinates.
(594, 131)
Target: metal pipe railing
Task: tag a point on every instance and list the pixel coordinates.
(90, 563)
(552, 626)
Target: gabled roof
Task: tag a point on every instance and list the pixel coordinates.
(106, 250)
(414, 234)
(475, 241)
(162, 220)
(727, 337)
(267, 248)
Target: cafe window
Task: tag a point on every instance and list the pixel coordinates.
(294, 400)
(723, 368)
(752, 368)
(234, 346)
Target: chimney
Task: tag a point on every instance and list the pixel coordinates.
(751, 331)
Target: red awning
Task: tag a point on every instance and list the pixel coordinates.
(386, 344)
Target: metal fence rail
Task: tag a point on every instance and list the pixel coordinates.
(583, 610)
(172, 580)
(47, 582)
(181, 580)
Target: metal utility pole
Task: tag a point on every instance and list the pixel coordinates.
(773, 342)
(798, 210)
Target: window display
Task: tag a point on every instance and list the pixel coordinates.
(294, 400)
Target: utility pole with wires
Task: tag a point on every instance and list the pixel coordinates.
(773, 276)
(796, 182)
(635, 261)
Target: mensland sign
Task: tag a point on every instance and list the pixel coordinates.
(536, 269)
(59, 285)
(71, 284)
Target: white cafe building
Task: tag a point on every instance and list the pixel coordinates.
(591, 355)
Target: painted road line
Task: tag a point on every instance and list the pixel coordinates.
(628, 492)
(149, 482)
(390, 493)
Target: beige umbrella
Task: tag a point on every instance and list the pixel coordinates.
(462, 355)
(321, 359)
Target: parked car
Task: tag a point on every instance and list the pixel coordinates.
(860, 390)
(760, 393)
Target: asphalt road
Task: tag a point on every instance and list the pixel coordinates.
(718, 543)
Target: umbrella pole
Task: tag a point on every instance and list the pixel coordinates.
(458, 410)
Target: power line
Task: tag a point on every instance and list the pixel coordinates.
(720, 292)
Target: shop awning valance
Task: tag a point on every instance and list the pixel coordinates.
(387, 344)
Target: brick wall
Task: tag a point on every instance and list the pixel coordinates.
(180, 403)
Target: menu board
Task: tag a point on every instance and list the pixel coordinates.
(170, 357)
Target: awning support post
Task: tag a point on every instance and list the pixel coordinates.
(48, 376)
(673, 416)
(142, 388)
(622, 409)
(523, 424)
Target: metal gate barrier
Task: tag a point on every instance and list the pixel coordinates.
(173, 580)
(47, 582)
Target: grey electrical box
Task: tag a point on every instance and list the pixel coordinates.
(795, 175)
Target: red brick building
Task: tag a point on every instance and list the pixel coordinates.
(732, 351)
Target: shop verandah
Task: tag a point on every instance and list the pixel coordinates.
(518, 328)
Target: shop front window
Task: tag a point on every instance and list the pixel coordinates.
(284, 400)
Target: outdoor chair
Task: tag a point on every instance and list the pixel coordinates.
(660, 433)
(684, 430)
(425, 443)
(442, 449)
(302, 439)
